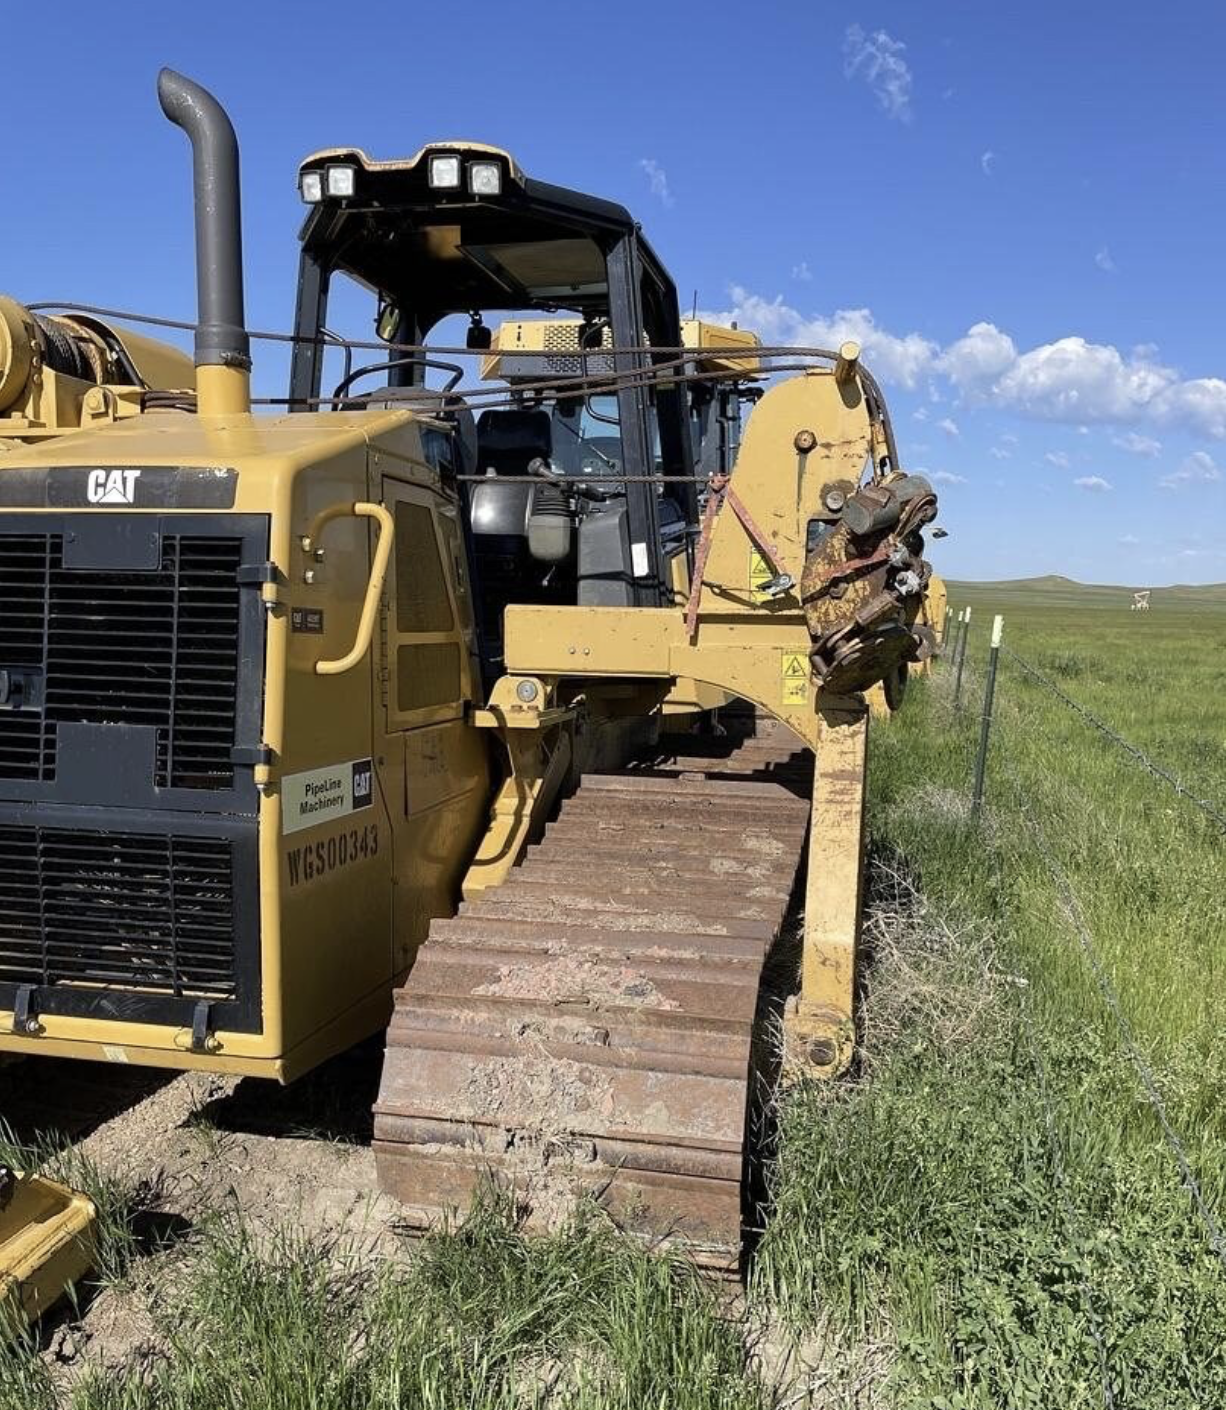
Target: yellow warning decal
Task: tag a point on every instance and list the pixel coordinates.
(760, 573)
(794, 678)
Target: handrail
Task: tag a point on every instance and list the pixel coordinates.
(370, 607)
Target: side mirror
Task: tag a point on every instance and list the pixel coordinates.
(480, 337)
(387, 320)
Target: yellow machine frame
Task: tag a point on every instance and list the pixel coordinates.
(758, 648)
(46, 1244)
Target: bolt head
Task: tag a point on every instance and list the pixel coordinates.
(822, 1052)
(804, 440)
(834, 500)
(527, 691)
(309, 576)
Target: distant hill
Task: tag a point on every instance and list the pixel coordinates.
(1053, 590)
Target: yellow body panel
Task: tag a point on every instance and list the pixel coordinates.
(46, 1244)
(334, 937)
(936, 601)
(725, 349)
(159, 364)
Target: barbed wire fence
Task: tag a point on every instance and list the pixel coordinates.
(954, 639)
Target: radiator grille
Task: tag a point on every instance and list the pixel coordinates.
(147, 913)
(111, 647)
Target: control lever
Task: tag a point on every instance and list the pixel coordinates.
(541, 469)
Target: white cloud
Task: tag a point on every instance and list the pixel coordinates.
(1129, 539)
(900, 360)
(980, 356)
(1069, 380)
(1199, 405)
(657, 178)
(877, 59)
(1198, 468)
(921, 414)
(1094, 483)
(1000, 453)
(987, 160)
(1104, 261)
(802, 272)
(1058, 459)
(1138, 444)
(1075, 380)
(949, 426)
(943, 477)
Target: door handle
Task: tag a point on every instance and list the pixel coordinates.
(370, 605)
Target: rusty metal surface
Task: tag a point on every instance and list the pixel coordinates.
(863, 585)
(586, 1028)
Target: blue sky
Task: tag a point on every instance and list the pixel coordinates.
(1017, 208)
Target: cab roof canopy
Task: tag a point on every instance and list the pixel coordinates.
(458, 228)
(491, 239)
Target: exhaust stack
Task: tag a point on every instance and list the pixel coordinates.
(223, 350)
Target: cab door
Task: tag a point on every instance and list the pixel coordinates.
(436, 768)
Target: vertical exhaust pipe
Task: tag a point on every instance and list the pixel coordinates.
(223, 350)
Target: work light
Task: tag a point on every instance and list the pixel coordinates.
(484, 178)
(311, 187)
(341, 181)
(445, 172)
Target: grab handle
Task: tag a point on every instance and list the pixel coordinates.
(370, 607)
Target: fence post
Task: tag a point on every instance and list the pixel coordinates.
(949, 612)
(985, 727)
(961, 650)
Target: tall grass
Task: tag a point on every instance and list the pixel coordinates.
(480, 1319)
(986, 1216)
(1004, 1200)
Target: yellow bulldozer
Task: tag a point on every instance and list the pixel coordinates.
(346, 717)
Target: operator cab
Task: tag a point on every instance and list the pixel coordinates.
(558, 471)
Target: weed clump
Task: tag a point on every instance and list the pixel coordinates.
(992, 1195)
(481, 1316)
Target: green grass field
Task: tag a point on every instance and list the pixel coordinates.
(986, 1214)
(996, 1200)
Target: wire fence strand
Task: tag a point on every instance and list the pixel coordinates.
(1071, 905)
(1207, 807)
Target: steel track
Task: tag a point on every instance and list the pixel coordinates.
(587, 1027)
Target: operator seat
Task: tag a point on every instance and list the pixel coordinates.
(507, 442)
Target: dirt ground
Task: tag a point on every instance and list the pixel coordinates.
(196, 1146)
